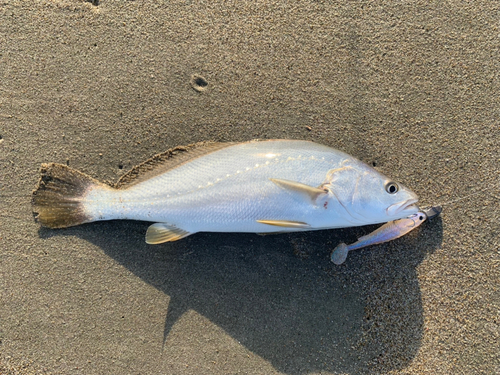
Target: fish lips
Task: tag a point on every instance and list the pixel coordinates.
(402, 209)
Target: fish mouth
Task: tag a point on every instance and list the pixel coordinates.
(406, 208)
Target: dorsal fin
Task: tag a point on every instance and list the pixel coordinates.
(168, 160)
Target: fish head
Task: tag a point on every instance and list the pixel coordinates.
(367, 195)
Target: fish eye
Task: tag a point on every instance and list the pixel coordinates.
(391, 187)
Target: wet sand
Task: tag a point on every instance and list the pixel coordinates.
(412, 88)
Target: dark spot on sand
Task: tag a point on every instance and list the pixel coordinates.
(374, 163)
(94, 2)
(198, 82)
(120, 166)
(300, 248)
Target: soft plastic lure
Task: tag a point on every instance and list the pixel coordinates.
(387, 232)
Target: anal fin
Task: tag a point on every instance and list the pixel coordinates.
(285, 223)
(162, 232)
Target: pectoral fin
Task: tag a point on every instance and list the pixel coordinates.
(285, 223)
(162, 232)
(310, 192)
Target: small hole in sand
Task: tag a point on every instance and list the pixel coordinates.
(120, 166)
(198, 82)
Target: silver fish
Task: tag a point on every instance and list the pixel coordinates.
(257, 186)
(387, 232)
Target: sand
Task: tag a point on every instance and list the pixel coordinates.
(411, 87)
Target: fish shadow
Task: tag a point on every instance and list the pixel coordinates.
(281, 297)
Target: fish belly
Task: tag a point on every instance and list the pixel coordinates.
(229, 190)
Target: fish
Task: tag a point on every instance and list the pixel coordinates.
(259, 186)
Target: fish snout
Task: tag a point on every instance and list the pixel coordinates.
(402, 209)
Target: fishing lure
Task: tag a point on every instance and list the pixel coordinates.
(387, 232)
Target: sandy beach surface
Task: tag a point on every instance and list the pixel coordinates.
(412, 88)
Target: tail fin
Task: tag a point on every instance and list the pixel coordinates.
(59, 196)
